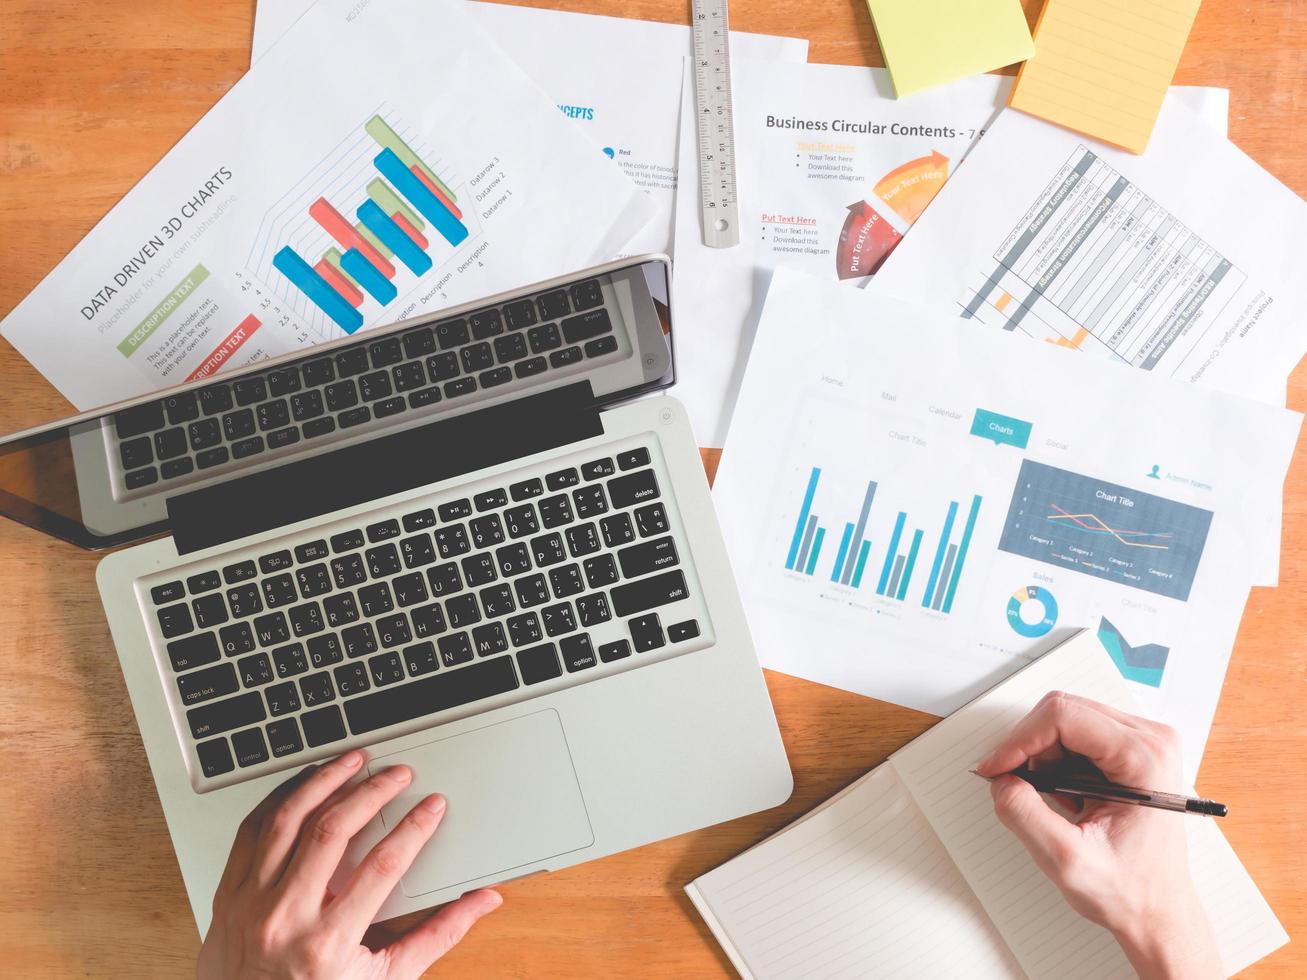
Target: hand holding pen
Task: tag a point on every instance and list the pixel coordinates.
(1123, 866)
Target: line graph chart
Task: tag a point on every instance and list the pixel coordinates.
(1106, 530)
(1093, 524)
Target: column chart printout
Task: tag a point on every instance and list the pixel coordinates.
(1185, 261)
(916, 508)
(832, 171)
(368, 169)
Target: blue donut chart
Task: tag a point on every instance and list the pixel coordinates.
(1032, 593)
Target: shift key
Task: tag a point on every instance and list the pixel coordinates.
(223, 716)
(657, 590)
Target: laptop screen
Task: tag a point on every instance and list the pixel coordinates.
(104, 478)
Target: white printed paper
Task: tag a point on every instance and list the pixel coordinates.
(367, 170)
(833, 170)
(618, 79)
(1186, 261)
(915, 508)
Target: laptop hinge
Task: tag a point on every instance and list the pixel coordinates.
(446, 448)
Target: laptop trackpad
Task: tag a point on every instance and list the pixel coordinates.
(513, 801)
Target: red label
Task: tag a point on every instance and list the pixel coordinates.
(865, 242)
(227, 348)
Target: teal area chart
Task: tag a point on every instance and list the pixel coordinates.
(1143, 664)
(1106, 530)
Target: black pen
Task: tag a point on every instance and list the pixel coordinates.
(1052, 781)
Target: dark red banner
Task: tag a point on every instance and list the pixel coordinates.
(865, 241)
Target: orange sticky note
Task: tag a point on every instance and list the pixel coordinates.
(1102, 67)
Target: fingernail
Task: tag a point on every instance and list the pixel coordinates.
(982, 766)
(435, 803)
(352, 760)
(400, 774)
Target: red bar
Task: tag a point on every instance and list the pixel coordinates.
(339, 283)
(431, 186)
(418, 238)
(341, 230)
(223, 352)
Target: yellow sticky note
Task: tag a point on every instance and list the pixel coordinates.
(931, 42)
(1102, 67)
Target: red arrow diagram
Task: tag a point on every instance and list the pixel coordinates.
(865, 242)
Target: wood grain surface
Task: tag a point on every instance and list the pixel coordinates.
(91, 96)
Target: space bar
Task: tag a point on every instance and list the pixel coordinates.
(431, 694)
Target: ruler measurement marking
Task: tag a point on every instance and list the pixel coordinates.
(714, 124)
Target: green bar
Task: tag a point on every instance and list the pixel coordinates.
(912, 560)
(816, 547)
(332, 255)
(141, 332)
(373, 240)
(380, 131)
(962, 553)
(389, 202)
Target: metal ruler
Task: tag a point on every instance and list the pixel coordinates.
(715, 124)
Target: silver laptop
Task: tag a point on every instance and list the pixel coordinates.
(461, 543)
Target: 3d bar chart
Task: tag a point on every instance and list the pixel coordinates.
(404, 209)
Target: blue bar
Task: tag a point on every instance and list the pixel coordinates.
(324, 296)
(862, 562)
(912, 560)
(419, 195)
(939, 554)
(962, 553)
(816, 547)
(368, 276)
(394, 237)
(890, 555)
(862, 523)
(842, 553)
(797, 540)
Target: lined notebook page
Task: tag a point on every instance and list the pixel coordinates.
(861, 887)
(1102, 67)
(1046, 936)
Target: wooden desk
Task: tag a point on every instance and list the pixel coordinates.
(91, 95)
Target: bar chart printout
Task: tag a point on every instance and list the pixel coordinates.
(904, 554)
(896, 571)
(403, 204)
(808, 537)
(950, 556)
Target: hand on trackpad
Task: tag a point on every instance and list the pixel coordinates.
(513, 801)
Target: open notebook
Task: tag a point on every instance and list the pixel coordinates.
(907, 872)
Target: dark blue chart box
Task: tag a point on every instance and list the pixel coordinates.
(1105, 530)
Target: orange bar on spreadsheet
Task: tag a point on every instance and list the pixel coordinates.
(431, 186)
(344, 233)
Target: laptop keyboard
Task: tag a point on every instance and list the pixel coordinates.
(546, 579)
(201, 433)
